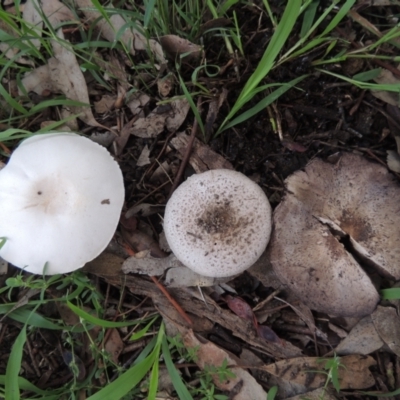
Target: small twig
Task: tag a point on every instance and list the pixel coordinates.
(186, 157)
(172, 301)
(34, 363)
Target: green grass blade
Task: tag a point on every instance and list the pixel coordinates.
(98, 321)
(126, 382)
(276, 44)
(192, 105)
(179, 386)
(14, 366)
(148, 12)
(278, 39)
(153, 384)
(339, 16)
(390, 294)
(308, 18)
(264, 102)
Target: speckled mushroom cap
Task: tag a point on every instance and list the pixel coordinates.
(60, 201)
(218, 223)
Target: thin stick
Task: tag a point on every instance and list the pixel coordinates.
(172, 301)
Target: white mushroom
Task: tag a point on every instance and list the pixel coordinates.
(218, 223)
(60, 201)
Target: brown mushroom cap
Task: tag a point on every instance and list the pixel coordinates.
(325, 203)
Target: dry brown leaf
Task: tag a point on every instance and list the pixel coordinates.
(68, 78)
(144, 158)
(362, 339)
(140, 241)
(242, 387)
(131, 38)
(202, 158)
(105, 104)
(39, 81)
(136, 103)
(181, 276)
(170, 116)
(8, 51)
(114, 345)
(316, 394)
(32, 16)
(212, 113)
(354, 373)
(387, 324)
(56, 12)
(175, 46)
(106, 265)
(166, 84)
(144, 263)
(386, 77)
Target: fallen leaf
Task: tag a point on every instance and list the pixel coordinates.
(56, 12)
(386, 77)
(387, 324)
(67, 77)
(354, 372)
(170, 116)
(202, 158)
(140, 241)
(39, 81)
(144, 158)
(131, 38)
(144, 263)
(362, 339)
(240, 307)
(266, 333)
(33, 18)
(166, 84)
(181, 276)
(105, 104)
(176, 46)
(114, 345)
(317, 394)
(208, 354)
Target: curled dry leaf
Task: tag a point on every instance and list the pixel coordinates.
(353, 373)
(208, 354)
(353, 200)
(175, 46)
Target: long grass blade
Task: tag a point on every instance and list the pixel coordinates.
(14, 366)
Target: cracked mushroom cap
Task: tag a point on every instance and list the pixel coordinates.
(335, 220)
(218, 223)
(60, 201)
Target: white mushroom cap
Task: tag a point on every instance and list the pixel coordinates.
(61, 197)
(218, 223)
